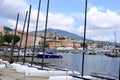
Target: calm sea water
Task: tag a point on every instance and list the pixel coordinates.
(93, 63)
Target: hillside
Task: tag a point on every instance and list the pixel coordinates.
(58, 31)
(64, 33)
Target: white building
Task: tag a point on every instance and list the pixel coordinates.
(2, 29)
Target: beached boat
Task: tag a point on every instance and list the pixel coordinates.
(37, 72)
(61, 78)
(2, 66)
(44, 73)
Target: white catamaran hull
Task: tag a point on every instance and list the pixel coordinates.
(44, 73)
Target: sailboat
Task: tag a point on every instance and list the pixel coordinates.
(39, 71)
(83, 77)
(53, 74)
(115, 52)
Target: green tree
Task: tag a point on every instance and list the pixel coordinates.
(46, 45)
(17, 39)
(9, 37)
(84, 45)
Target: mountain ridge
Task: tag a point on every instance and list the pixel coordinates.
(65, 34)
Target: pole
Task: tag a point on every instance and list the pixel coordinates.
(36, 31)
(84, 44)
(45, 33)
(27, 33)
(22, 35)
(13, 41)
(119, 71)
(115, 37)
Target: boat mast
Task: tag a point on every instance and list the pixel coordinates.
(27, 33)
(22, 35)
(119, 71)
(36, 31)
(13, 41)
(84, 39)
(45, 34)
(115, 37)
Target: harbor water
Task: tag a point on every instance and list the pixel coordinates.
(93, 63)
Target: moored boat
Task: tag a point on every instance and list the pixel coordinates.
(115, 53)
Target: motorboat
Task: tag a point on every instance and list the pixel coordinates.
(115, 53)
(48, 54)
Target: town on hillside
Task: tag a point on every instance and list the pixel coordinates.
(54, 40)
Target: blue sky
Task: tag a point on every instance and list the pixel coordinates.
(103, 16)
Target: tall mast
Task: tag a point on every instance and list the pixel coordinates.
(45, 33)
(84, 39)
(36, 31)
(22, 34)
(115, 37)
(27, 33)
(119, 71)
(13, 41)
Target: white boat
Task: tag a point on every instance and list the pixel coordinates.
(115, 53)
(21, 52)
(2, 65)
(47, 73)
(61, 78)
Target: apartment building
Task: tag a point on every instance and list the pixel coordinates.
(1, 29)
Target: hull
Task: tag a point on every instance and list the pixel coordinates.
(61, 78)
(49, 56)
(44, 73)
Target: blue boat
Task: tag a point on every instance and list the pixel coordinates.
(48, 54)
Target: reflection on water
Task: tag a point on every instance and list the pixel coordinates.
(93, 63)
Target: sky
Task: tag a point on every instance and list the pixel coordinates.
(103, 16)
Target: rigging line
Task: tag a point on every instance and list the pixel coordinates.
(22, 35)
(45, 34)
(84, 39)
(27, 34)
(13, 41)
(36, 31)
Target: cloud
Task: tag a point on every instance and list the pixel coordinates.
(61, 21)
(103, 19)
(10, 8)
(104, 38)
(101, 23)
